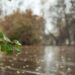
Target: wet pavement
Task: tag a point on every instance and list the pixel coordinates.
(40, 61)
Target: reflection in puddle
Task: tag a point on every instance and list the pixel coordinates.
(50, 58)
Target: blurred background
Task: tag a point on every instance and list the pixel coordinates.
(41, 22)
(46, 29)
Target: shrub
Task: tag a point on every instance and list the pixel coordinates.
(26, 35)
(25, 27)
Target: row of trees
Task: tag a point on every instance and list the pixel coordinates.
(65, 22)
(63, 19)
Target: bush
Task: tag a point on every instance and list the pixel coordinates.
(26, 35)
(25, 27)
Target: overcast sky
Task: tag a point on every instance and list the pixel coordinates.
(35, 5)
(9, 6)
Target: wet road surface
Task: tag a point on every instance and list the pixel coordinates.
(40, 61)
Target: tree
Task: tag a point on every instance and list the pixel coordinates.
(68, 18)
(25, 27)
(73, 8)
(61, 18)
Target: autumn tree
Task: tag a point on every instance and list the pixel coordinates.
(25, 27)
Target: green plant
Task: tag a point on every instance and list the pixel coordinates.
(8, 46)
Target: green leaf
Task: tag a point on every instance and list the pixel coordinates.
(1, 35)
(9, 49)
(16, 42)
(1, 42)
(6, 39)
(17, 49)
(3, 47)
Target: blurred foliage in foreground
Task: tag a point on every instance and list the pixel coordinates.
(6, 45)
(25, 27)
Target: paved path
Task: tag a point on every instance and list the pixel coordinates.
(40, 61)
